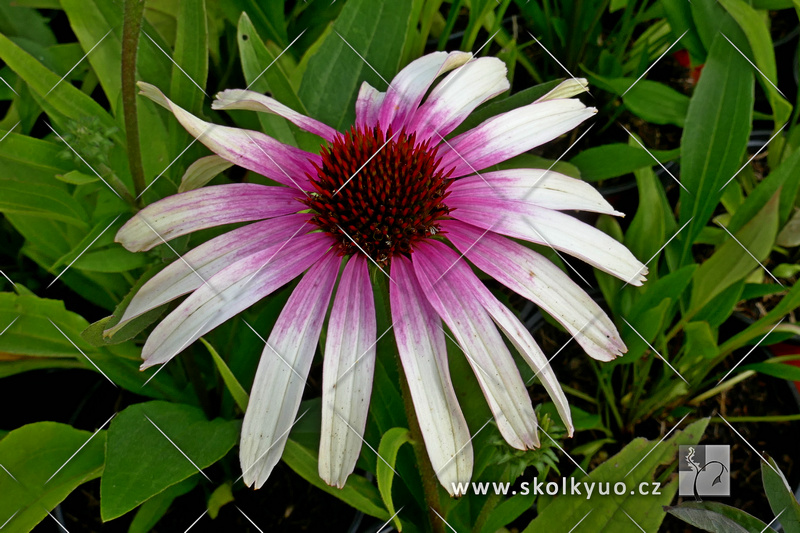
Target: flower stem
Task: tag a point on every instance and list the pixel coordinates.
(430, 483)
(131, 27)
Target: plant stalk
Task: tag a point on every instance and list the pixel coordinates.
(131, 28)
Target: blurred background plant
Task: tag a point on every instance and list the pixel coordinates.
(696, 139)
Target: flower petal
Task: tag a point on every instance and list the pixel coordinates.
(544, 188)
(442, 278)
(567, 89)
(509, 134)
(253, 101)
(410, 85)
(249, 149)
(536, 278)
(191, 211)
(456, 96)
(368, 105)
(347, 370)
(230, 291)
(423, 354)
(198, 265)
(282, 371)
(551, 228)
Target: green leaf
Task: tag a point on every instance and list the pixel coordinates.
(256, 57)
(357, 492)
(775, 369)
(390, 444)
(22, 151)
(733, 260)
(613, 160)
(221, 496)
(717, 518)
(714, 139)
(647, 230)
(45, 201)
(141, 461)
(756, 29)
(650, 100)
(635, 464)
(375, 30)
(701, 340)
(64, 98)
(151, 511)
(780, 496)
(91, 27)
(234, 387)
(32, 454)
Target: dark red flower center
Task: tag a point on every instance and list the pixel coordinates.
(378, 194)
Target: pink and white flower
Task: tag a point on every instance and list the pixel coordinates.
(395, 193)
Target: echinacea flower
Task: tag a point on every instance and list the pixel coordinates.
(395, 192)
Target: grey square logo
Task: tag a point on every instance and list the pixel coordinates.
(704, 470)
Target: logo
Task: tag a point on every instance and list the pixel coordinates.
(704, 470)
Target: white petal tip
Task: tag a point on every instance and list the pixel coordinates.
(153, 93)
